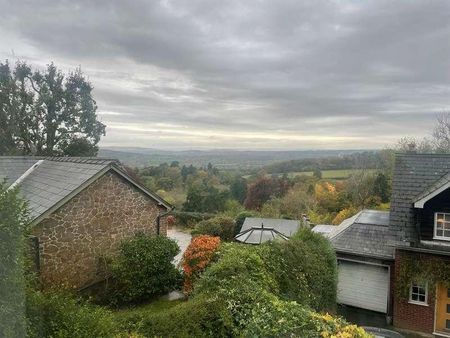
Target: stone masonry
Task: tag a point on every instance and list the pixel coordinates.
(74, 238)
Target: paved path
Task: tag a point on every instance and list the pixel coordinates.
(182, 238)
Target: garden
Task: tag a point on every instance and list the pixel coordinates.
(285, 289)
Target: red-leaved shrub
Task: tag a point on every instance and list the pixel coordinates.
(197, 257)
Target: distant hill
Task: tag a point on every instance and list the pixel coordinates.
(221, 158)
(356, 160)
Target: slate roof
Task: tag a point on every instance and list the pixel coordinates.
(53, 178)
(414, 175)
(285, 226)
(324, 229)
(367, 233)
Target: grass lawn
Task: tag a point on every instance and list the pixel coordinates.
(149, 308)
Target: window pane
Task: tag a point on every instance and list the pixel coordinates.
(448, 308)
(447, 233)
(448, 293)
(440, 225)
(440, 217)
(447, 324)
(447, 217)
(414, 297)
(422, 298)
(439, 233)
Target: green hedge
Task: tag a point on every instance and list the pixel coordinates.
(220, 226)
(64, 316)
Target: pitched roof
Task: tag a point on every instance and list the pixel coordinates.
(259, 235)
(324, 229)
(46, 182)
(415, 177)
(367, 234)
(287, 227)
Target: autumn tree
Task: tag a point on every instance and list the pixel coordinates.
(263, 189)
(47, 112)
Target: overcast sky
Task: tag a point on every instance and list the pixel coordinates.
(246, 74)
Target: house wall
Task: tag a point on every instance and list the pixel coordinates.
(426, 215)
(412, 316)
(73, 239)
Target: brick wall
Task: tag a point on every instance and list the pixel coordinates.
(90, 225)
(412, 316)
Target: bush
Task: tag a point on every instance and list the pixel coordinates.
(220, 226)
(289, 319)
(198, 317)
(305, 269)
(189, 219)
(143, 269)
(63, 316)
(196, 257)
(13, 219)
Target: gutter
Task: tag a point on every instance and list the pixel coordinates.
(158, 219)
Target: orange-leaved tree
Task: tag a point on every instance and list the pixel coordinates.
(197, 257)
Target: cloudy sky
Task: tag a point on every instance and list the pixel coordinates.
(246, 74)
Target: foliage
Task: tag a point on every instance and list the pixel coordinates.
(288, 319)
(238, 189)
(143, 269)
(344, 214)
(189, 219)
(220, 226)
(64, 316)
(197, 256)
(13, 221)
(422, 269)
(205, 198)
(263, 189)
(198, 317)
(46, 112)
(304, 268)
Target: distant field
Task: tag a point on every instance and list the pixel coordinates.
(340, 174)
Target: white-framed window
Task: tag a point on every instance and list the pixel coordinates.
(418, 293)
(442, 226)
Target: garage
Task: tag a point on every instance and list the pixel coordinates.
(363, 285)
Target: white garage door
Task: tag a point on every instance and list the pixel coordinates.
(363, 285)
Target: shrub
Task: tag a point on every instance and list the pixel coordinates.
(64, 316)
(143, 269)
(189, 219)
(196, 257)
(198, 317)
(289, 319)
(221, 226)
(13, 219)
(305, 269)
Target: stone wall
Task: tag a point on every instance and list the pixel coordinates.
(73, 239)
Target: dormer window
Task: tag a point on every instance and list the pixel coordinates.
(442, 226)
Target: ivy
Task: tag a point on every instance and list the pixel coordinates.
(422, 269)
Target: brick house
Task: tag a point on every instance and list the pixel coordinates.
(420, 226)
(375, 248)
(80, 210)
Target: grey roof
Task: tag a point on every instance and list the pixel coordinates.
(285, 226)
(54, 178)
(367, 233)
(259, 235)
(414, 175)
(324, 229)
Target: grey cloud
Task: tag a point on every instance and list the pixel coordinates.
(376, 70)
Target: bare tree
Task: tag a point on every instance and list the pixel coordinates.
(441, 134)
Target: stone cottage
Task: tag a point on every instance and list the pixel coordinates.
(80, 210)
